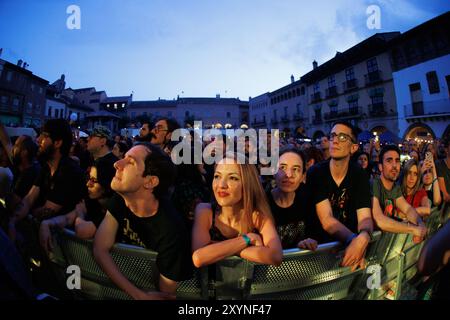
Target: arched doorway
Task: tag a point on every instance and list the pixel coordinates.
(378, 130)
(420, 132)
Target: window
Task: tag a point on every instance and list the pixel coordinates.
(303, 91)
(316, 87)
(49, 112)
(32, 87)
(372, 65)
(123, 105)
(349, 74)
(41, 90)
(331, 81)
(133, 115)
(16, 104)
(169, 113)
(94, 101)
(37, 108)
(433, 82)
(186, 113)
(298, 108)
(353, 105)
(228, 115)
(56, 113)
(1, 70)
(275, 114)
(414, 86)
(9, 76)
(29, 107)
(4, 99)
(377, 100)
(398, 58)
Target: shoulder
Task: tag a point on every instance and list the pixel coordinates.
(203, 209)
(319, 168)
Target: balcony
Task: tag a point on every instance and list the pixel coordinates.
(350, 85)
(285, 119)
(259, 123)
(373, 78)
(428, 109)
(317, 120)
(298, 116)
(316, 97)
(331, 92)
(347, 113)
(378, 110)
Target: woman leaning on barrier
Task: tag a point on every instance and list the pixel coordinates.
(412, 189)
(289, 201)
(89, 213)
(239, 222)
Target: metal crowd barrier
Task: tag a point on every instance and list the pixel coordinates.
(302, 275)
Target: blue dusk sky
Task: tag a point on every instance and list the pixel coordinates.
(192, 48)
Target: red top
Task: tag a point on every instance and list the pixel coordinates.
(416, 199)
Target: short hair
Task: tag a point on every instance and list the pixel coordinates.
(295, 151)
(350, 126)
(123, 147)
(387, 148)
(172, 124)
(59, 129)
(158, 163)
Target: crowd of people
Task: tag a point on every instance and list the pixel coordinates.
(117, 189)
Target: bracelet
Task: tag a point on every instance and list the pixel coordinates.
(247, 239)
(434, 180)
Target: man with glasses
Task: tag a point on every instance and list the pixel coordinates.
(340, 191)
(388, 200)
(162, 132)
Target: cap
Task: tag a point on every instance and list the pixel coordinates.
(102, 132)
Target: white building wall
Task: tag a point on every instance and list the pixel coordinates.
(433, 103)
(54, 105)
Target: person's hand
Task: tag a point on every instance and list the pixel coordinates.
(419, 233)
(255, 239)
(308, 244)
(45, 237)
(355, 252)
(84, 229)
(155, 295)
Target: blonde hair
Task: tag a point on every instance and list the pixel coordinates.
(254, 200)
(408, 165)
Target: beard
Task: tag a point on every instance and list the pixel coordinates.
(46, 154)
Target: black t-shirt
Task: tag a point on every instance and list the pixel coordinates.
(23, 181)
(163, 232)
(291, 222)
(351, 195)
(65, 188)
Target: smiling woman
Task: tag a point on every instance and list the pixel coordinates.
(239, 222)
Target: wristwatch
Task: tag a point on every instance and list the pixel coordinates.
(368, 232)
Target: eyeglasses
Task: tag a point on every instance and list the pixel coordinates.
(342, 137)
(159, 128)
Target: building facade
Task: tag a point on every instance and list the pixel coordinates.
(22, 95)
(421, 64)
